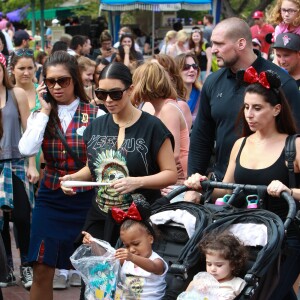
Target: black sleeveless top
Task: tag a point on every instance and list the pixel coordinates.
(277, 171)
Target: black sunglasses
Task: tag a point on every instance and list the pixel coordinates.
(188, 66)
(24, 52)
(113, 95)
(63, 82)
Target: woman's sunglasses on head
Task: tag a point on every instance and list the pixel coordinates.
(113, 95)
(63, 82)
(186, 67)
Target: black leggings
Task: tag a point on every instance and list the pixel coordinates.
(21, 217)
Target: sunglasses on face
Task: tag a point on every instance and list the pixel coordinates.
(186, 67)
(24, 52)
(113, 95)
(63, 82)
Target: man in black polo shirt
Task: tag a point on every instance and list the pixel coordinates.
(222, 98)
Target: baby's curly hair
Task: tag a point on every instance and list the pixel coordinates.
(228, 246)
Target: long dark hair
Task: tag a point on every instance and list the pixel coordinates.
(192, 43)
(133, 52)
(285, 122)
(70, 63)
(3, 40)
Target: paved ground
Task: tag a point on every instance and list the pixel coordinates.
(19, 293)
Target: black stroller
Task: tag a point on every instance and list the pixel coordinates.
(184, 257)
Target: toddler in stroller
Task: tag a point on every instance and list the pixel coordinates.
(261, 271)
(225, 258)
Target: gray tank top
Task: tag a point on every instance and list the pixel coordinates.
(11, 129)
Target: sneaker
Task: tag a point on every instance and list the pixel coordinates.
(75, 280)
(26, 277)
(60, 282)
(9, 281)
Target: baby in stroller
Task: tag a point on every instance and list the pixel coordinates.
(225, 259)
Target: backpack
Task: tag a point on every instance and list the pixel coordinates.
(214, 64)
(294, 179)
(290, 156)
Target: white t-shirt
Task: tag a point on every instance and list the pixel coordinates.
(231, 289)
(145, 285)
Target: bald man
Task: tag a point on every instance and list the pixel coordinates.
(222, 97)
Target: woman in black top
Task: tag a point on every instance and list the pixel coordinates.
(202, 50)
(267, 121)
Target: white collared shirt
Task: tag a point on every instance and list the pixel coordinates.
(32, 138)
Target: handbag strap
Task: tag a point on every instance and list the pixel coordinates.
(78, 162)
(290, 156)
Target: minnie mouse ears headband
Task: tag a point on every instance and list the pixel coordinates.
(139, 210)
(268, 79)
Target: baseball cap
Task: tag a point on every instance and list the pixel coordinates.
(21, 35)
(258, 14)
(256, 41)
(290, 41)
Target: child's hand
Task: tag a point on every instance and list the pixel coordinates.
(87, 237)
(123, 254)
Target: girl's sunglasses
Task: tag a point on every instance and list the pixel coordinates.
(188, 66)
(113, 95)
(63, 82)
(24, 52)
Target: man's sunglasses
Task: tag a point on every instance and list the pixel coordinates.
(63, 82)
(186, 67)
(24, 52)
(113, 95)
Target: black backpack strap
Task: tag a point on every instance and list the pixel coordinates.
(290, 156)
(60, 135)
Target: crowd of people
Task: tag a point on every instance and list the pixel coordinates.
(142, 127)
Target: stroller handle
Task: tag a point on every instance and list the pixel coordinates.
(254, 189)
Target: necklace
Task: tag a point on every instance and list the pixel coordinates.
(128, 122)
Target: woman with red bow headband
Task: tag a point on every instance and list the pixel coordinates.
(258, 158)
(143, 270)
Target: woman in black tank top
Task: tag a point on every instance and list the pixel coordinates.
(258, 158)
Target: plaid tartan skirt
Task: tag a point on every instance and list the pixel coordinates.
(57, 220)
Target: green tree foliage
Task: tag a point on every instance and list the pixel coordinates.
(243, 8)
(231, 8)
(91, 8)
(10, 5)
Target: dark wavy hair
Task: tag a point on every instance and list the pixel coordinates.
(228, 246)
(285, 122)
(70, 63)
